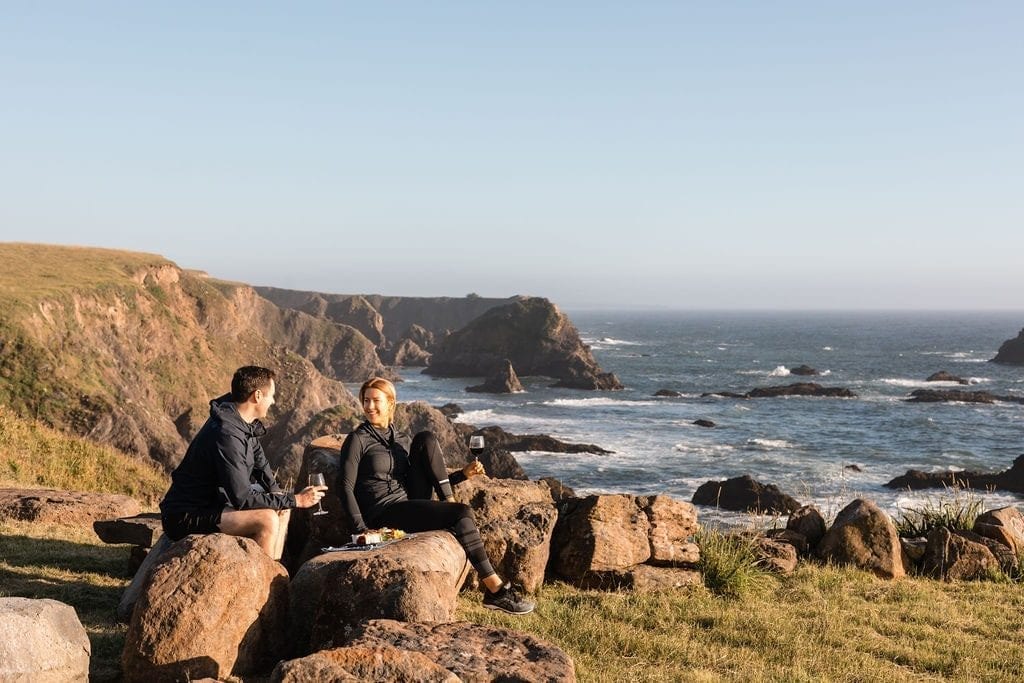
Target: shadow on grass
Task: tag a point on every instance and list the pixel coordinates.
(27, 551)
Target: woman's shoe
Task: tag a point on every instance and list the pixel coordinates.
(508, 599)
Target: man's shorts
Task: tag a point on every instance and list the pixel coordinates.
(178, 525)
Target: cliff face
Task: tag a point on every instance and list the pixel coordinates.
(127, 349)
(533, 334)
(1012, 351)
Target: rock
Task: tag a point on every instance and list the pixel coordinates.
(744, 494)
(704, 423)
(852, 468)
(408, 354)
(1005, 525)
(141, 530)
(498, 438)
(500, 464)
(801, 389)
(808, 522)
(357, 312)
(804, 370)
(451, 410)
(476, 654)
(516, 520)
(417, 416)
(42, 641)
(420, 336)
(672, 523)
(72, 508)
(943, 376)
(559, 491)
(955, 557)
(790, 537)
(1011, 351)
(913, 548)
(415, 579)
(534, 335)
(139, 582)
(642, 577)
(502, 381)
(194, 621)
(774, 555)
(865, 537)
(668, 393)
(1011, 479)
(363, 663)
(308, 533)
(599, 533)
(957, 395)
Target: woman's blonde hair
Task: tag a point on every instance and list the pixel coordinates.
(384, 385)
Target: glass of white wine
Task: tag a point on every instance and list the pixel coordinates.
(318, 480)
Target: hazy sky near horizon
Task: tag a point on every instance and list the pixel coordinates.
(792, 155)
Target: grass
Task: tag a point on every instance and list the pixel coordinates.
(33, 455)
(955, 510)
(729, 565)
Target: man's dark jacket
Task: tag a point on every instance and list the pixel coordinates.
(222, 463)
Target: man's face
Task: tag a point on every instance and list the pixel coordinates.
(264, 399)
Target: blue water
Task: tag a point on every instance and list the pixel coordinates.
(800, 444)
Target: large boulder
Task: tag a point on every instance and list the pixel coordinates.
(500, 464)
(418, 416)
(1005, 525)
(363, 663)
(415, 579)
(498, 438)
(745, 494)
(42, 640)
(809, 523)
(476, 654)
(865, 537)
(215, 605)
(1011, 351)
(943, 376)
(502, 381)
(516, 520)
(775, 555)
(599, 533)
(73, 508)
(955, 556)
(534, 335)
(672, 526)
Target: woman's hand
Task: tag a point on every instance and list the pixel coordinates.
(474, 469)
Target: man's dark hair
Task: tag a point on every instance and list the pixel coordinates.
(247, 380)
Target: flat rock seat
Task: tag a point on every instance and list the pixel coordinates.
(73, 508)
(416, 579)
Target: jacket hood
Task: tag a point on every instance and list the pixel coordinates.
(225, 411)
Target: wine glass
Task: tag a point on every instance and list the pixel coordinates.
(318, 480)
(476, 445)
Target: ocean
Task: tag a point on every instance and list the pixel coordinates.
(806, 446)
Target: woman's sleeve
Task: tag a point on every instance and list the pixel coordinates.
(351, 454)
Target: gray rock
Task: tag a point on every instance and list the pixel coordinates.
(865, 537)
(502, 381)
(42, 641)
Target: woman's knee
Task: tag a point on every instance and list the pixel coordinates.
(426, 441)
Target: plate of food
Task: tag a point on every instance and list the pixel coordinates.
(370, 540)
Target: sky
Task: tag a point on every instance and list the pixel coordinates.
(677, 155)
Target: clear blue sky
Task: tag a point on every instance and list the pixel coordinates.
(665, 154)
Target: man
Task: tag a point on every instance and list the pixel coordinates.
(225, 484)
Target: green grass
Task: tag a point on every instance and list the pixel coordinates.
(955, 510)
(818, 624)
(73, 566)
(33, 455)
(729, 565)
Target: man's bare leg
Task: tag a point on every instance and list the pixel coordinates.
(259, 525)
(282, 533)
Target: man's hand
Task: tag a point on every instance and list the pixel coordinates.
(309, 496)
(474, 469)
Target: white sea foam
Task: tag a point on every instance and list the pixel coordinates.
(703, 449)
(477, 417)
(597, 402)
(914, 383)
(770, 443)
(779, 371)
(827, 348)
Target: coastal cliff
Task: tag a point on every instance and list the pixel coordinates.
(1012, 351)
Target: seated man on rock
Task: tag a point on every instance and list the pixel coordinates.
(225, 484)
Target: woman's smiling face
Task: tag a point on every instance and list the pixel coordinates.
(377, 407)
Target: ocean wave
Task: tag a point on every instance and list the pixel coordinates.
(703, 449)
(611, 341)
(597, 402)
(477, 417)
(914, 383)
(827, 348)
(779, 371)
(769, 443)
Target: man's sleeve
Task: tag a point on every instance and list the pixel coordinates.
(351, 454)
(262, 472)
(233, 472)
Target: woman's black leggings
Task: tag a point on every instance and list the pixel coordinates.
(419, 513)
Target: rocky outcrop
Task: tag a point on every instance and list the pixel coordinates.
(73, 508)
(959, 396)
(42, 641)
(357, 312)
(804, 370)
(192, 620)
(1005, 525)
(503, 381)
(746, 495)
(534, 335)
(672, 524)
(955, 556)
(516, 520)
(472, 652)
(704, 423)
(1011, 352)
(408, 353)
(417, 416)
(414, 579)
(943, 376)
(363, 663)
(496, 437)
(797, 389)
(865, 537)
(1011, 479)
(668, 393)
(500, 464)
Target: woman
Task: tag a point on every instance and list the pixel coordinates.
(386, 480)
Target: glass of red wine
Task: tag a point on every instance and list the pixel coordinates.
(476, 445)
